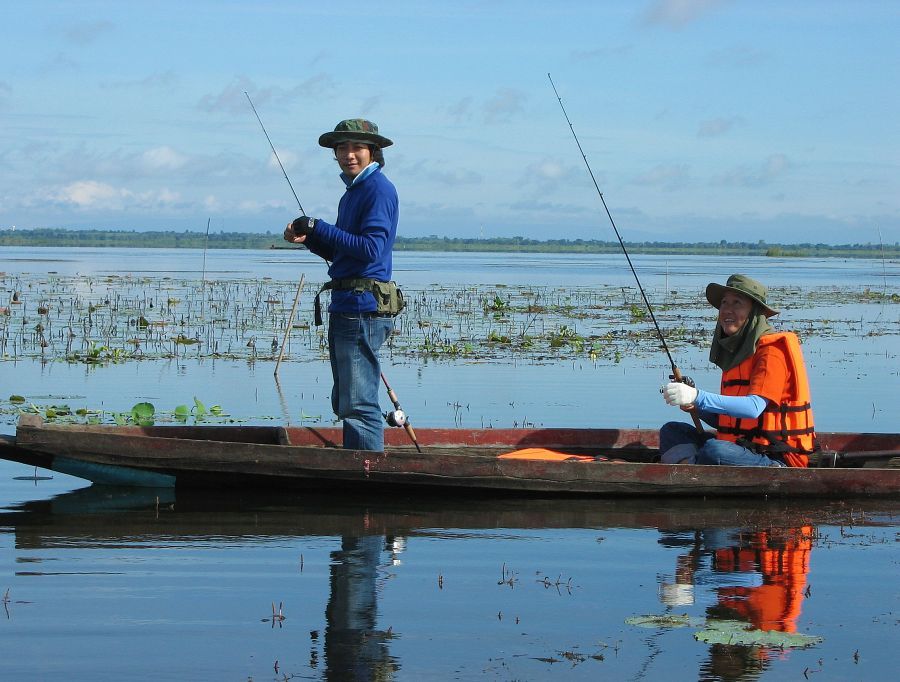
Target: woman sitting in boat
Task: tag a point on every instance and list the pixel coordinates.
(762, 416)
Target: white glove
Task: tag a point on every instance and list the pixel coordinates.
(679, 394)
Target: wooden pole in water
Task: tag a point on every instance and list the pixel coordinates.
(290, 323)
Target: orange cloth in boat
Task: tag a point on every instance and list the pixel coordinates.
(547, 455)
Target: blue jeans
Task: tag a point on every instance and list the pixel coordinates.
(680, 442)
(354, 340)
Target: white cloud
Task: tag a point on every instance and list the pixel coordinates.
(504, 105)
(85, 32)
(717, 126)
(90, 194)
(162, 158)
(93, 195)
(460, 110)
(551, 170)
(670, 177)
(772, 167)
(738, 56)
(678, 13)
(233, 97)
(288, 158)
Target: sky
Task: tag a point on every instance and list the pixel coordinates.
(701, 120)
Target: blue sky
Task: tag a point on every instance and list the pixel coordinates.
(701, 119)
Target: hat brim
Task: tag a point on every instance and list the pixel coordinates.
(715, 292)
(332, 139)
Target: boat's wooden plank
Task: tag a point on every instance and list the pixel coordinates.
(451, 458)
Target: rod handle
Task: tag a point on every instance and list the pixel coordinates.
(693, 411)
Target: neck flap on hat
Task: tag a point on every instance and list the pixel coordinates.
(730, 351)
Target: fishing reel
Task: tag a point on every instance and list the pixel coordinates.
(686, 380)
(395, 418)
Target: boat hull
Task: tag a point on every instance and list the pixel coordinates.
(613, 462)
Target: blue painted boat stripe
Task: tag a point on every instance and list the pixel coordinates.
(112, 475)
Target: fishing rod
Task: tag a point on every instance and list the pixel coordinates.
(676, 373)
(300, 286)
(396, 418)
(284, 172)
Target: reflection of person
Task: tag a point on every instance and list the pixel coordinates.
(763, 415)
(354, 649)
(363, 299)
(779, 556)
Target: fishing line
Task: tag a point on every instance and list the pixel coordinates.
(615, 229)
(676, 373)
(302, 212)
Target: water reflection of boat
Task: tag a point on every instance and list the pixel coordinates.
(568, 461)
(100, 519)
(98, 513)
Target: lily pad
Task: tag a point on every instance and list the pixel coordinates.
(665, 620)
(143, 413)
(200, 410)
(738, 632)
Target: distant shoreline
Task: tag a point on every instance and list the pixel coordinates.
(269, 240)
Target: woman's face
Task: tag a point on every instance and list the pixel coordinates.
(734, 309)
(353, 157)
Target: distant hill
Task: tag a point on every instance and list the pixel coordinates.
(269, 240)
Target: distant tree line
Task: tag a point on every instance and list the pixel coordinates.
(269, 240)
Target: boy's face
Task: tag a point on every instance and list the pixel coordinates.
(353, 157)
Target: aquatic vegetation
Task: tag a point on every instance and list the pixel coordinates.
(114, 319)
(726, 631)
(665, 620)
(738, 632)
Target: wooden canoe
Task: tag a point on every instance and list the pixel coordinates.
(612, 461)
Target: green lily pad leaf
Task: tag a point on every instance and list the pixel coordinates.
(16, 399)
(216, 410)
(199, 408)
(182, 412)
(143, 414)
(738, 632)
(665, 620)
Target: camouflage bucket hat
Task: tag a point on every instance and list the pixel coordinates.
(354, 130)
(740, 284)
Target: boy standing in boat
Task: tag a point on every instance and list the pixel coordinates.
(364, 300)
(763, 415)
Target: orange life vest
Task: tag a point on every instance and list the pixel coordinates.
(784, 430)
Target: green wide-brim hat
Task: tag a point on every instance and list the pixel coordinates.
(354, 130)
(740, 284)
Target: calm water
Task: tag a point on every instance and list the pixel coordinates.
(124, 584)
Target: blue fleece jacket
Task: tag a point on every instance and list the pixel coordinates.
(361, 242)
